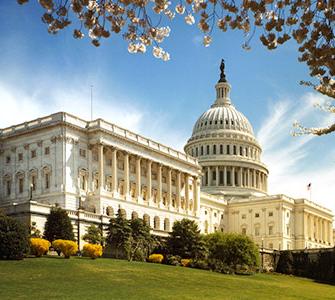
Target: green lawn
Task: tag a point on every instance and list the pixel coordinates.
(81, 278)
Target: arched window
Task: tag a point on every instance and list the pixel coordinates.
(157, 223)
(20, 181)
(196, 151)
(221, 149)
(134, 215)
(166, 224)
(207, 149)
(241, 151)
(206, 226)
(122, 212)
(202, 150)
(214, 149)
(244, 230)
(83, 175)
(33, 179)
(228, 149)
(146, 219)
(234, 150)
(8, 184)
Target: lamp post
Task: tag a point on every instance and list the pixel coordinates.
(262, 253)
(78, 224)
(31, 192)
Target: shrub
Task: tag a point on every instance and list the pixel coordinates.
(66, 247)
(232, 250)
(156, 258)
(39, 246)
(58, 225)
(13, 238)
(173, 260)
(199, 264)
(285, 263)
(93, 235)
(92, 250)
(185, 262)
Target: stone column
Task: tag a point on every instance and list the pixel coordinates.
(324, 231)
(169, 188)
(316, 229)
(90, 180)
(254, 179)
(178, 190)
(138, 180)
(114, 171)
(196, 196)
(330, 232)
(241, 177)
(225, 176)
(217, 176)
(233, 176)
(187, 193)
(101, 167)
(126, 175)
(209, 176)
(305, 225)
(149, 182)
(159, 186)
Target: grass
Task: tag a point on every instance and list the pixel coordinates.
(81, 278)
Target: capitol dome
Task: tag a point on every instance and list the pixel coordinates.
(224, 143)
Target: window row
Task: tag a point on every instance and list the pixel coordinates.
(257, 215)
(146, 219)
(257, 230)
(225, 149)
(20, 181)
(33, 154)
(226, 123)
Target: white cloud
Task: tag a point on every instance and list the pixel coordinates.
(293, 161)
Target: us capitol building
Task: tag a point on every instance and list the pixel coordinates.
(94, 168)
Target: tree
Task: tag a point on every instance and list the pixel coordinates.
(13, 238)
(119, 233)
(185, 240)
(93, 235)
(232, 249)
(140, 239)
(309, 23)
(58, 225)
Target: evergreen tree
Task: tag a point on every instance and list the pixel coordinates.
(93, 235)
(119, 233)
(58, 225)
(185, 240)
(13, 238)
(140, 240)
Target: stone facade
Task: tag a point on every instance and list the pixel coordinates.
(93, 168)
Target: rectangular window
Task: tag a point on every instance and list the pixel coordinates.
(7, 159)
(221, 149)
(20, 185)
(214, 149)
(196, 151)
(82, 152)
(257, 231)
(46, 150)
(288, 230)
(33, 182)
(270, 214)
(33, 153)
(241, 151)
(202, 150)
(214, 175)
(221, 177)
(244, 231)
(20, 156)
(244, 216)
(47, 180)
(270, 230)
(256, 215)
(207, 149)
(8, 187)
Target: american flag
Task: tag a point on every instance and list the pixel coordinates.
(309, 187)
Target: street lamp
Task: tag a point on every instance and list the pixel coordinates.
(262, 253)
(31, 191)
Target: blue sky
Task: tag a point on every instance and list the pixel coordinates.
(41, 74)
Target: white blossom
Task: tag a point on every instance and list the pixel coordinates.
(189, 19)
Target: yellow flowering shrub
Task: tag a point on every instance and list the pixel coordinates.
(39, 246)
(92, 250)
(185, 262)
(156, 258)
(67, 247)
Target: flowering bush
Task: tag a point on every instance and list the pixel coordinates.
(156, 258)
(39, 246)
(67, 247)
(185, 262)
(92, 250)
